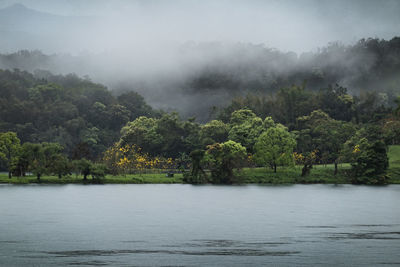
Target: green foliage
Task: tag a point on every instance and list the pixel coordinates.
(319, 132)
(370, 162)
(293, 102)
(34, 159)
(142, 132)
(275, 147)
(10, 147)
(197, 175)
(42, 158)
(60, 165)
(83, 167)
(66, 110)
(167, 136)
(337, 103)
(98, 171)
(367, 153)
(241, 116)
(223, 158)
(246, 127)
(213, 132)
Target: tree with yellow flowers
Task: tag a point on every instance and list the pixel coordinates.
(130, 159)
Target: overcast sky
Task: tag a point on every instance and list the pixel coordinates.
(297, 25)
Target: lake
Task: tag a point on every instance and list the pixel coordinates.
(185, 225)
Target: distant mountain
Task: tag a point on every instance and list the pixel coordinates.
(20, 18)
(25, 28)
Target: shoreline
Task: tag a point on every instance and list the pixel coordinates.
(319, 175)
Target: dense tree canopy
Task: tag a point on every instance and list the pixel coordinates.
(66, 123)
(68, 110)
(275, 147)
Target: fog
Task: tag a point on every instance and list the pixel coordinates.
(298, 26)
(158, 47)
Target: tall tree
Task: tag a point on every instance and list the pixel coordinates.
(10, 147)
(275, 147)
(223, 158)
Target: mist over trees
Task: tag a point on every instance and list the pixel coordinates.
(207, 75)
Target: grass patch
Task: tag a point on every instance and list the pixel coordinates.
(394, 164)
(286, 175)
(153, 178)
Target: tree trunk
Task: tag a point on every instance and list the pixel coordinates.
(38, 176)
(336, 170)
(9, 174)
(84, 177)
(306, 169)
(59, 176)
(274, 168)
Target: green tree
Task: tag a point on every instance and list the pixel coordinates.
(143, 133)
(327, 136)
(135, 104)
(367, 153)
(197, 174)
(83, 166)
(246, 127)
(223, 158)
(370, 162)
(292, 103)
(34, 157)
(60, 165)
(335, 101)
(10, 147)
(275, 147)
(98, 171)
(213, 132)
(241, 116)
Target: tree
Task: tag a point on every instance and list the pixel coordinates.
(60, 165)
(213, 132)
(275, 147)
(292, 103)
(223, 158)
(370, 162)
(367, 153)
(135, 104)
(10, 147)
(241, 116)
(34, 159)
(170, 128)
(327, 136)
(118, 115)
(335, 101)
(43, 158)
(98, 171)
(246, 127)
(83, 166)
(197, 174)
(142, 132)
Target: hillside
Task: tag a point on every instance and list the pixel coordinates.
(197, 77)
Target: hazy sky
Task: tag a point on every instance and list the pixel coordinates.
(297, 25)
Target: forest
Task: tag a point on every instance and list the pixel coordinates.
(54, 124)
(202, 76)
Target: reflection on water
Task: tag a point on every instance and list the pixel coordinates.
(183, 225)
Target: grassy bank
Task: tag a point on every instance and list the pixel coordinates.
(284, 175)
(154, 178)
(394, 164)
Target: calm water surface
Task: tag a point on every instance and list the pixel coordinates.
(184, 225)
